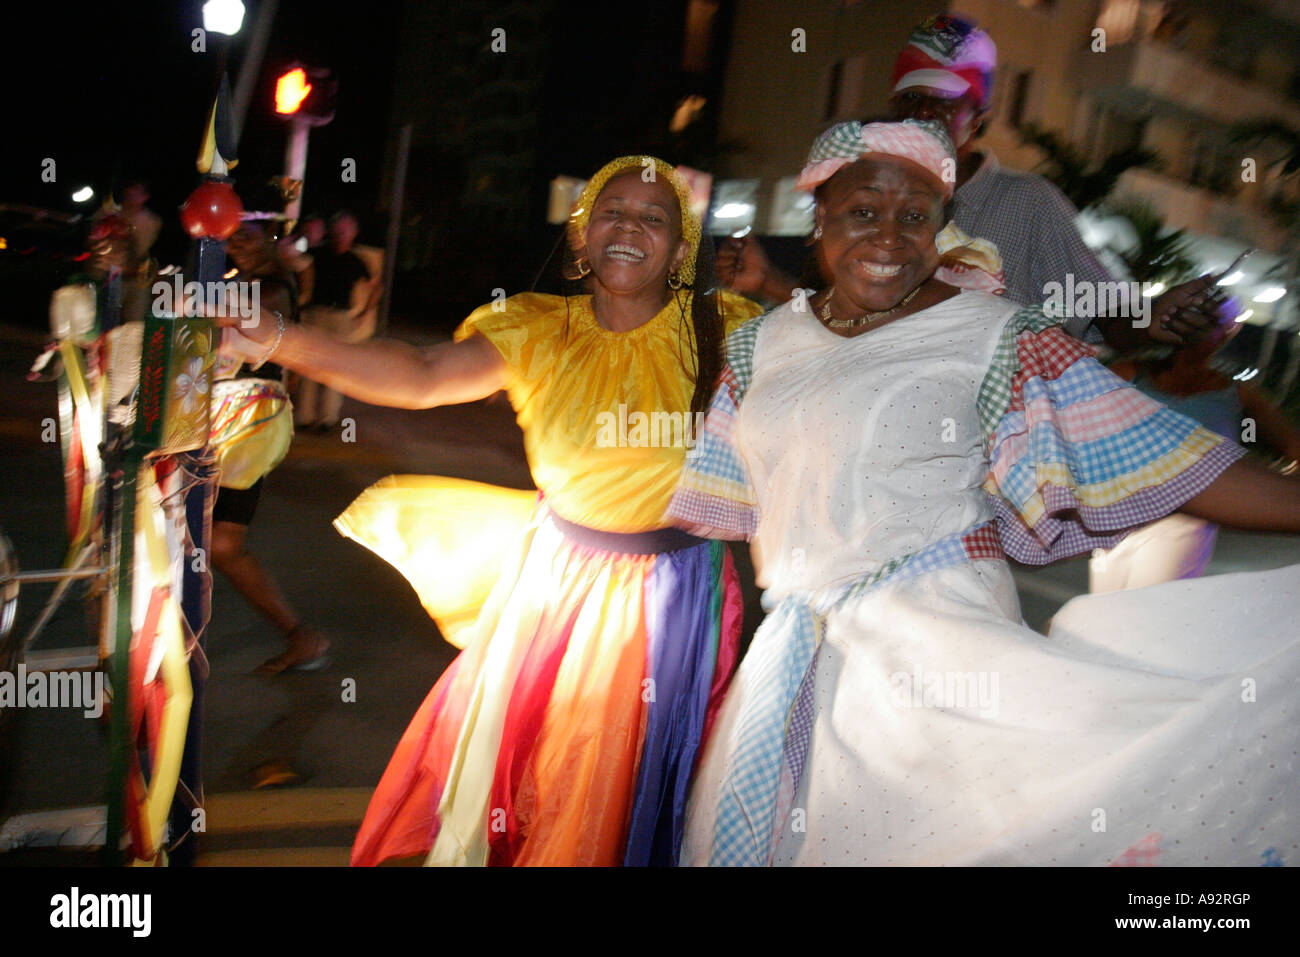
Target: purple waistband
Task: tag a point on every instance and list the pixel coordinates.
(653, 542)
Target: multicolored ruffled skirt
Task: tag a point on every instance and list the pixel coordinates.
(567, 730)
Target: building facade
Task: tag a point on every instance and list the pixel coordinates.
(1173, 77)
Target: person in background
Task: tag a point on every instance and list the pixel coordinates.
(945, 73)
(309, 234)
(145, 223)
(342, 291)
(253, 253)
(1180, 545)
(297, 253)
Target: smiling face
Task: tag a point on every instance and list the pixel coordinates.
(634, 235)
(961, 114)
(879, 217)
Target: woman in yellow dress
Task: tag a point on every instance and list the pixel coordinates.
(566, 731)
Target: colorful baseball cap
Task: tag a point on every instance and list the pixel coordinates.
(948, 54)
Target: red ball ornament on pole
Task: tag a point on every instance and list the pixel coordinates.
(212, 211)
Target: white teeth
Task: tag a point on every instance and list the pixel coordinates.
(624, 252)
(884, 272)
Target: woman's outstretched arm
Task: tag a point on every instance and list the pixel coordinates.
(379, 371)
(1274, 427)
(1247, 495)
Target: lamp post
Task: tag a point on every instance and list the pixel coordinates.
(224, 18)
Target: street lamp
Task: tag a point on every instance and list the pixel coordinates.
(223, 16)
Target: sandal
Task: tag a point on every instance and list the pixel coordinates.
(291, 660)
(273, 774)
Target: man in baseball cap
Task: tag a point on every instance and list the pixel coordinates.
(945, 73)
(949, 55)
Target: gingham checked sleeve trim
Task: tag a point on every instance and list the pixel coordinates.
(714, 496)
(1077, 456)
(740, 354)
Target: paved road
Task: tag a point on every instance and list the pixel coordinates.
(382, 638)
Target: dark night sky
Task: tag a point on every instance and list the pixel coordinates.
(113, 90)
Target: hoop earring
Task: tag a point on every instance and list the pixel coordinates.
(583, 267)
(674, 281)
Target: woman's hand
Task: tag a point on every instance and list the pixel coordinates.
(1247, 495)
(1185, 313)
(253, 338)
(261, 327)
(237, 345)
(743, 266)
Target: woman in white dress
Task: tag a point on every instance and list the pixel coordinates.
(885, 447)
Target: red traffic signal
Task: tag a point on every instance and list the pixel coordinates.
(290, 90)
(306, 93)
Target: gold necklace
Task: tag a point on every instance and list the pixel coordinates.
(864, 320)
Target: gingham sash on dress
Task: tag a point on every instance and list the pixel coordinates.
(775, 727)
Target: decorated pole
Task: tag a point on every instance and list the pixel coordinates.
(210, 215)
(162, 708)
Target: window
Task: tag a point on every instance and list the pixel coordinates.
(735, 202)
(1019, 100)
(833, 90)
(844, 88)
(792, 210)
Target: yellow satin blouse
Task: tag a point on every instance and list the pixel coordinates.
(606, 415)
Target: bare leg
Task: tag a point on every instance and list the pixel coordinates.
(259, 589)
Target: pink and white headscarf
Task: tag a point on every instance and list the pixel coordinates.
(969, 263)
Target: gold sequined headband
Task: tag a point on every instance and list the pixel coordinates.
(581, 214)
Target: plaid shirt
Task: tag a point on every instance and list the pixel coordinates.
(1033, 226)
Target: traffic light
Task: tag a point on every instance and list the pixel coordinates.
(307, 93)
(290, 90)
